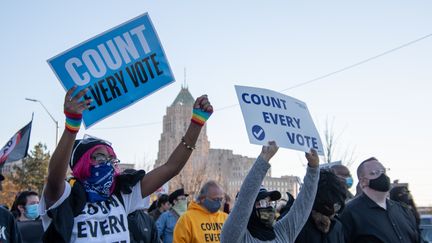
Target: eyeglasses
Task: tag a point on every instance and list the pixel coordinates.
(86, 140)
(263, 203)
(102, 158)
(378, 172)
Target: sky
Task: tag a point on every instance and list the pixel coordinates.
(378, 108)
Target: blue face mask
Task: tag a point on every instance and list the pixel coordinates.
(99, 184)
(349, 182)
(31, 211)
(212, 205)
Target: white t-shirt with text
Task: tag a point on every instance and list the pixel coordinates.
(102, 222)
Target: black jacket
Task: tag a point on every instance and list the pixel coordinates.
(142, 228)
(310, 234)
(8, 229)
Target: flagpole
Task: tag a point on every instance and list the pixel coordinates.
(55, 121)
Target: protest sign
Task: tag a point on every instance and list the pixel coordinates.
(119, 67)
(272, 116)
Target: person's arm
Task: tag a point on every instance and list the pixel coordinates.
(57, 168)
(157, 177)
(296, 218)
(182, 231)
(161, 224)
(235, 226)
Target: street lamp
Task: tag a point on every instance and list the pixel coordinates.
(55, 121)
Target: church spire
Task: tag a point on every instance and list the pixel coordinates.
(184, 85)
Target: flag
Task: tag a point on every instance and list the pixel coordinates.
(16, 148)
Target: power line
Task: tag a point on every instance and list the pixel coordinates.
(302, 83)
(358, 63)
(347, 67)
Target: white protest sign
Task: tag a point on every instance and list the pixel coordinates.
(272, 116)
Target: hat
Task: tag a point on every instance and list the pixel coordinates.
(1, 177)
(83, 145)
(173, 196)
(263, 193)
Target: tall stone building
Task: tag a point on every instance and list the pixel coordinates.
(175, 124)
(221, 165)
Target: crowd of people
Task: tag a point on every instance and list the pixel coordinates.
(101, 204)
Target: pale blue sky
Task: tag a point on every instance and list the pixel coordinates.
(380, 106)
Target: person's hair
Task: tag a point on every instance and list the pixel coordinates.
(21, 200)
(330, 190)
(336, 168)
(81, 170)
(164, 198)
(360, 168)
(205, 189)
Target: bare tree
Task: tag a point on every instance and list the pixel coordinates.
(332, 146)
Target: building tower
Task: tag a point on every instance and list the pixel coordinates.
(175, 124)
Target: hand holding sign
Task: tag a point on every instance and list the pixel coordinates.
(73, 103)
(268, 151)
(312, 158)
(73, 109)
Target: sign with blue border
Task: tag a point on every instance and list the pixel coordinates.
(119, 67)
(272, 116)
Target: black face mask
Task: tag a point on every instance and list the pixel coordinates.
(381, 184)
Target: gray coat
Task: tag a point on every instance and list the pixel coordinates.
(235, 228)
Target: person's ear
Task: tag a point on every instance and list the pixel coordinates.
(363, 182)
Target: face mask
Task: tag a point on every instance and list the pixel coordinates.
(211, 205)
(381, 184)
(349, 182)
(267, 215)
(98, 186)
(31, 211)
(180, 207)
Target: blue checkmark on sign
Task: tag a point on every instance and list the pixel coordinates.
(258, 132)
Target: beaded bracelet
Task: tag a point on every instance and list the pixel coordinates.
(200, 117)
(187, 145)
(73, 122)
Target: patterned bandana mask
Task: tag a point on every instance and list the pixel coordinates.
(99, 184)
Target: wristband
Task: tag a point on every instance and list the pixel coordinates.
(73, 122)
(200, 117)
